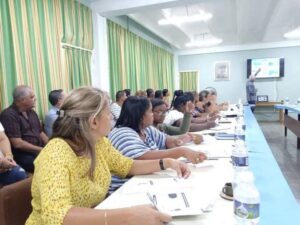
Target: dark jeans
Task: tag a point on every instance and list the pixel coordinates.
(252, 103)
(25, 160)
(13, 175)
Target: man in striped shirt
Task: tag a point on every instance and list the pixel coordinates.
(116, 107)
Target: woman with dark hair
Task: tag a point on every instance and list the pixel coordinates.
(159, 110)
(158, 94)
(205, 104)
(176, 94)
(165, 92)
(175, 115)
(135, 137)
(150, 93)
(128, 92)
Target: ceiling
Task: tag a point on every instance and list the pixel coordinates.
(236, 22)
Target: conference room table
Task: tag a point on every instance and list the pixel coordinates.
(278, 206)
(289, 122)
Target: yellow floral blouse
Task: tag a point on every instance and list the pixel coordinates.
(60, 180)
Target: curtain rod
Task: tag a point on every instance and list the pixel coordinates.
(64, 45)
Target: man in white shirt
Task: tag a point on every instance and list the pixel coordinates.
(116, 107)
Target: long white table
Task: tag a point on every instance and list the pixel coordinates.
(278, 205)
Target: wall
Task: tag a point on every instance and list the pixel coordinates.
(276, 89)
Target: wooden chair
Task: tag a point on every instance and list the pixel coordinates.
(15, 203)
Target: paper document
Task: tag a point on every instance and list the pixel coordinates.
(179, 203)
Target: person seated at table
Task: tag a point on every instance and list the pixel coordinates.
(73, 172)
(23, 128)
(141, 93)
(10, 172)
(115, 108)
(158, 94)
(175, 115)
(135, 137)
(128, 92)
(160, 109)
(150, 93)
(56, 98)
(212, 97)
(194, 97)
(166, 95)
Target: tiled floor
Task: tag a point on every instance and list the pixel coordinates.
(285, 151)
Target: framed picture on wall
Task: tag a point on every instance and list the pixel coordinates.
(222, 71)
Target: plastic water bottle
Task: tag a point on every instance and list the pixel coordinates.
(237, 176)
(240, 121)
(239, 155)
(239, 132)
(240, 108)
(246, 200)
(287, 101)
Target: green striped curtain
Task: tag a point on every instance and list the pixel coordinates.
(29, 48)
(136, 63)
(78, 32)
(78, 67)
(31, 32)
(189, 81)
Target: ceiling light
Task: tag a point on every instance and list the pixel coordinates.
(204, 43)
(294, 34)
(177, 20)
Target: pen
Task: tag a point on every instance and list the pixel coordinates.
(185, 200)
(152, 200)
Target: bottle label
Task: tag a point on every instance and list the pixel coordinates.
(240, 137)
(245, 210)
(239, 161)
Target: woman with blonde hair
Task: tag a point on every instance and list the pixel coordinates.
(73, 171)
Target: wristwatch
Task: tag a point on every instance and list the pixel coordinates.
(161, 164)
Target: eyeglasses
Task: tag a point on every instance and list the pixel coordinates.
(160, 113)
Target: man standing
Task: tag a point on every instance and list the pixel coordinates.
(251, 91)
(22, 127)
(56, 98)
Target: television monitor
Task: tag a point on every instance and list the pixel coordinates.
(270, 67)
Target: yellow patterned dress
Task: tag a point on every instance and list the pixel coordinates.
(60, 180)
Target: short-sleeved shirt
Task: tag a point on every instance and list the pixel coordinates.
(60, 180)
(172, 116)
(115, 110)
(17, 126)
(129, 143)
(50, 118)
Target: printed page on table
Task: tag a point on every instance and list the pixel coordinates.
(177, 203)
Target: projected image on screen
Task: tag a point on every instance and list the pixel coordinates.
(270, 67)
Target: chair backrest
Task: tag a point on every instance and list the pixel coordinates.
(15, 203)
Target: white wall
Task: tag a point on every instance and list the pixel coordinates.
(276, 89)
(100, 66)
